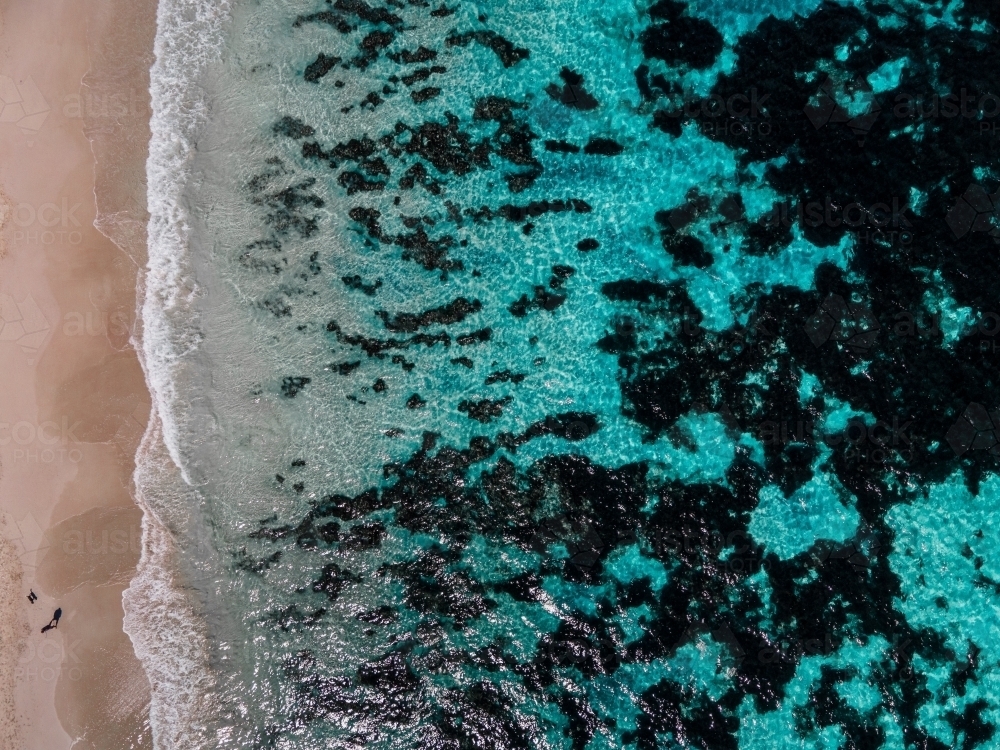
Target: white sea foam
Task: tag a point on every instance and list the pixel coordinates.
(162, 621)
(188, 38)
(168, 636)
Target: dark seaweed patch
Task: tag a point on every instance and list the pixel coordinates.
(366, 12)
(475, 337)
(569, 426)
(291, 385)
(495, 108)
(292, 618)
(421, 74)
(319, 67)
(572, 93)
(335, 20)
(378, 347)
(603, 147)
(424, 95)
(561, 147)
(485, 410)
(355, 182)
(292, 127)
(559, 275)
(505, 376)
(363, 536)
(255, 566)
(415, 402)
(542, 300)
(371, 46)
(286, 206)
(432, 254)
(355, 282)
(509, 54)
(346, 368)
(332, 581)
(685, 249)
(540, 208)
(447, 147)
(683, 39)
(406, 57)
(453, 312)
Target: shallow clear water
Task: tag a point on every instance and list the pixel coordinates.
(566, 375)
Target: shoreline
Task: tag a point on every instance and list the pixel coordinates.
(165, 616)
(75, 404)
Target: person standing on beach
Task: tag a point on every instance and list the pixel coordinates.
(54, 622)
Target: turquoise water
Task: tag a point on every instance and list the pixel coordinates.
(575, 375)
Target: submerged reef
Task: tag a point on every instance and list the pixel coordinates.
(822, 307)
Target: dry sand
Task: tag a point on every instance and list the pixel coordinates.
(73, 402)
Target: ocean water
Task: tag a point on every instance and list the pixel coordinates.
(571, 375)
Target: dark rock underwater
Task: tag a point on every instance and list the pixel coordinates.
(519, 596)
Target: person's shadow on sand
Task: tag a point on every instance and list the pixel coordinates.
(54, 622)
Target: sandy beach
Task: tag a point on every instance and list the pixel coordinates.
(73, 406)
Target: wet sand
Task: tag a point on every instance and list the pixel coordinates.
(73, 401)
